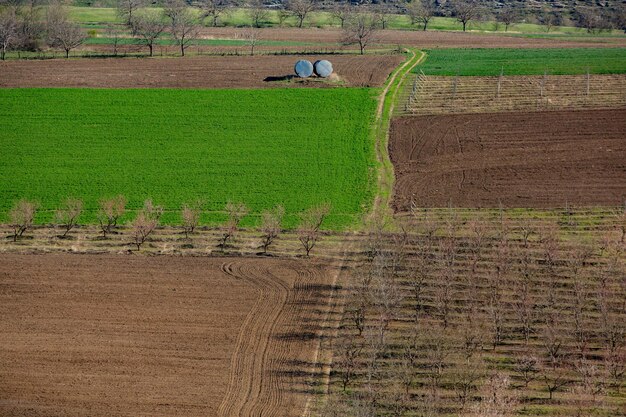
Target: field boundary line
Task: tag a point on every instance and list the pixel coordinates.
(335, 304)
(386, 104)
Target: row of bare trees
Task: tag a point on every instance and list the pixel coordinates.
(147, 219)
(27, 28)
(475, 317)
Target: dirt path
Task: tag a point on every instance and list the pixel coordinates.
(382, 121)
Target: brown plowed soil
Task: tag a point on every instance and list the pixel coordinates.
(535, 159)
(193, 72)
(421, 39)
(106, 335)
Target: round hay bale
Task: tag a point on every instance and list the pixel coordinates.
(303, 68)
(323, 68)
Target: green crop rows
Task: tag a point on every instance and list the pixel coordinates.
(296, 147)
(485, 62)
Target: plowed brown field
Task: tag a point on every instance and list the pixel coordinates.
(106, 335)
(418, 38)
(191, 72)
(535, 159)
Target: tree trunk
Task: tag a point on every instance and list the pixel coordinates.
(362, 48)
(182, 50)
(425, 24)
(67, 53)
(214, 21)
(300, 22)
(464, 23)
(150, 46)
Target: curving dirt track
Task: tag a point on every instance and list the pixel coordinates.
(534, 159)
(191, 72)
(418, 38)
(106, 335)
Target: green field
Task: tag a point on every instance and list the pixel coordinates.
(524, 61)
(296, 147)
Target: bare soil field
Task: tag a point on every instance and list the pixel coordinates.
(536, 159)
(421, 39)
(193, 72)
(446, 95)
(105, 335)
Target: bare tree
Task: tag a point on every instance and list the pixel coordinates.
(444, 279)
(310, 222)
(421, 11)
(527, 367)
(342, 12)
(190, 215)
(589, 387)
(184, 26)
(524, 303)
(496, 398)
(360, 30)
(615, 363)
(591, 19)
(114, 36)
(465, 379)
(495, 282)
(349, 347)
(382, 13)
(251, 36)
(145, 223)
(110, 211)
(549, 19)
(235, 212)
(619, 17)
(507, 16)
(8, 30)
(257, 12)
(553, 342)
(580, 300)
(68, 214)
(148, 25)
(621, 224)
(283, 15)
(21, 217)
(271, 226)
(127, 9)
(213, 9)
(472, 332)
(385, 294)
(60, 31)
(31, 29)
(420, 270)
(408, 365)
(300, 9)
(465, 11)
(555, 378)
(438, 348)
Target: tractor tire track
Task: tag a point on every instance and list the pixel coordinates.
(276, 343)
